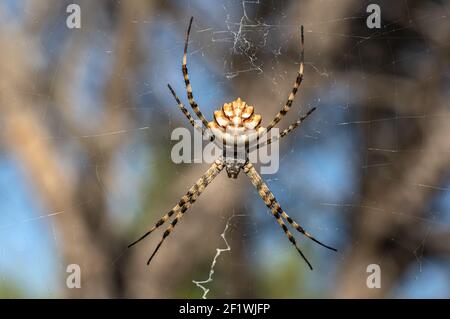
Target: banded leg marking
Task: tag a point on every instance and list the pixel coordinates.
(272, 203)
(292, 222)
(188, 115)
(191, 196)
(186, 199)
(258, 183)
(291, 127)
(184, 69)
(297, 83)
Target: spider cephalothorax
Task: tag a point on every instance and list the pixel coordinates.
(237, 130)
(233, 166)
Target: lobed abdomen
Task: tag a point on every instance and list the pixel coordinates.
(236, 126)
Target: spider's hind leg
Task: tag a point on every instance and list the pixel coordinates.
(285, 132)
(187, 82)
(204, 131)
(297, 83)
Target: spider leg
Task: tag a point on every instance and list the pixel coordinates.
(291, 127)
(260, 186)
(268, 194)
(299, 228)
(291, 97)
(169, 229)
(189, 197)
(184, 204)
(188, 115)
(165, 217)
(190, 96)
(184, 110)
(197, 189)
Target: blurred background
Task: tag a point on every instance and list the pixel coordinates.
(85, 167)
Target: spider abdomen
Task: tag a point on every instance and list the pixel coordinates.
(237, 114)
(236, 125)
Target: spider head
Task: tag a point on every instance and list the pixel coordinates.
(234, 166)
(236, 124)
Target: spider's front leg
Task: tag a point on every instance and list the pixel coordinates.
(183, 205)
(271, 202)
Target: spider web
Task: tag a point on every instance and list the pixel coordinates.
(374, 139)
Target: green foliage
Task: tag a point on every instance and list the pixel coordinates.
(284, 279)
(162, 173)
(9, 290)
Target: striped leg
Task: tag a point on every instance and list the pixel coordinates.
(291, 127)
(294, 224)
(184, 204)
(188, 115)
(259, 185)
(291, 97)
(272, 203)
(190, 96)
(268, 194)
(165, 217)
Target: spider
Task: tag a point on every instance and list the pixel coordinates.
(231, 128)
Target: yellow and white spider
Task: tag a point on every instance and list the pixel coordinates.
(233, 126)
